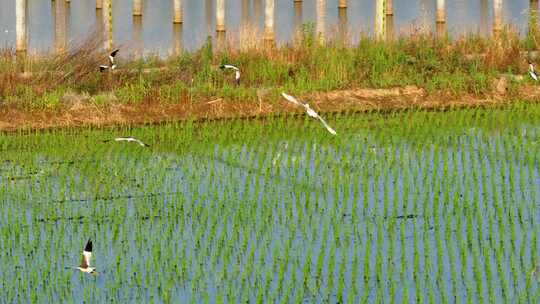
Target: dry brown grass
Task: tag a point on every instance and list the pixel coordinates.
(196, 81)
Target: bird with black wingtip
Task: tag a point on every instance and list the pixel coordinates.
(85, 260)
(111, 65)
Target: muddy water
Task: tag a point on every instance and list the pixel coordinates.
(155, 33)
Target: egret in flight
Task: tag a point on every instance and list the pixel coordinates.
(309, 111)
(129, 139)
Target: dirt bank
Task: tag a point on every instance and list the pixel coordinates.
(80, 113)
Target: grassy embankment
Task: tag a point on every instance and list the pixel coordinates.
(68, 89)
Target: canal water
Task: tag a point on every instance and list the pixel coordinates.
(156, 34)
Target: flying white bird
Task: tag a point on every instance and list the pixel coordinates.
(85, 261)
(532, 71)
(236, 71)
(309, 111)
(129, 139)
(111, 65)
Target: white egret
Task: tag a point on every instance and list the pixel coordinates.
(309, 111)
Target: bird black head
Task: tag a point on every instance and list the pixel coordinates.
(88, 246)
(222, 66)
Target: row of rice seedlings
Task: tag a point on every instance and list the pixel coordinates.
(324, 206)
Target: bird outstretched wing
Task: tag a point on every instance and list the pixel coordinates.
(128, 139)
(291, 99)
(112, 55)
(533, 75)
(332, 131)
(228, 66)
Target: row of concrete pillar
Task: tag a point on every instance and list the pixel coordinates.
(383, 8)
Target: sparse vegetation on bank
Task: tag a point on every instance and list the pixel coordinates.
(470, 68)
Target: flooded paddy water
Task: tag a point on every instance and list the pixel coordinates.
(154, 32)
(403, 207)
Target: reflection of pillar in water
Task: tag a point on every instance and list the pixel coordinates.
(98, 4)
(60, 27)
(244, 18)
(342, 4)
(20, 25)
(177, 39)
(390, 9)
(484, 17)
(220, 41)
(107, 24)
(137, 7)
(269, 20)
(209, 12)
(137, 36)
(220, 15)
(497, 17)
(177, 10)
(343, 25)
(320, 27)
(257, 11)
(298, 15)
(389, 27)
(298, 20)
(441, 29)
(99, 20)
(379, 19)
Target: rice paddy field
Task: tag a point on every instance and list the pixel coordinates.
(399, 207)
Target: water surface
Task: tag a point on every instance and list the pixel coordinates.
(155, 33)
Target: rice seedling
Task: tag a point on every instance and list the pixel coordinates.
(210, 213)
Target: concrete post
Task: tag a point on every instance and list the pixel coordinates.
(245, 13)
(257, 8)
(137, 36)
(379, 19)
(533, 17)
(497, 17)
(320, 27)
(137, 7)
(390, 8)
(343, 25)
(60, 37)
(269, 20)
(220, 15)
(441, 14)
(177, 11)
(107, 24)
(389, 27)
(177, 39)
(484, 24)
(20, 25)
(209, 14)
(298, 21)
